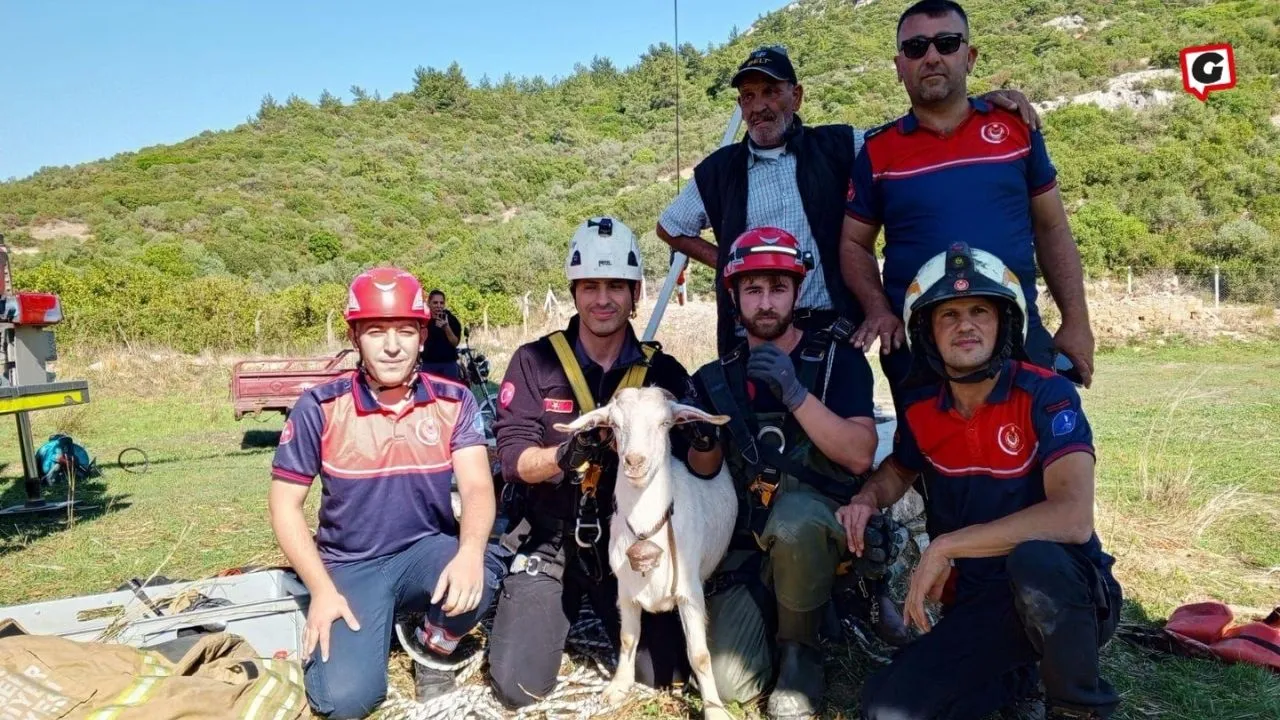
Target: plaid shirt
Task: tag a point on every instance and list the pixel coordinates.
(773, 199)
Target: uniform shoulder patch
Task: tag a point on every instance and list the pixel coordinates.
(1064, 422)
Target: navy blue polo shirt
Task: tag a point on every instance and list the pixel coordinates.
(974, 184)
(983, 468)
(385, 472)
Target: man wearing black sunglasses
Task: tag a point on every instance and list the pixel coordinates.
(784, 174)
(956, 168)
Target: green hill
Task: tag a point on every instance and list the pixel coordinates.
(477, 184)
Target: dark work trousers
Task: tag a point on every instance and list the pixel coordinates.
(534, 615)
(353, 682)
(897, 364)
(1057, 610)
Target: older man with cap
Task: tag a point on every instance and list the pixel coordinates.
(784, 174)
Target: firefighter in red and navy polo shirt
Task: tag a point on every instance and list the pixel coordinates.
(957, 167)
(385, 441)
(1007, 464)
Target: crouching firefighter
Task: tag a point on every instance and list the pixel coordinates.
(1008, 482)
(565, 482)
(801, 431)
(385, 441)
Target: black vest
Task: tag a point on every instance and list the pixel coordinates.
(824, 162)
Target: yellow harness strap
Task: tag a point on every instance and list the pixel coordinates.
(633, 379)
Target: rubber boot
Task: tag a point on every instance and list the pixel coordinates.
(430, 683)
(801, 678)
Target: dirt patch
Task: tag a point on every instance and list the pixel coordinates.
(1122, 318)
(59, 229)
(1125, 90)
(1065, 22)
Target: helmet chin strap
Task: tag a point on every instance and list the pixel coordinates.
(1003, 351)
(379, 387)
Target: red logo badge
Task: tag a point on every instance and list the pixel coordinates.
(1010, 439)
(995, 132)
(553, 405)
(961, 285)
(506, 394)
(287, 433)
(1207, 68)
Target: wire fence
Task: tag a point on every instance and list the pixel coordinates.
(1216, 285)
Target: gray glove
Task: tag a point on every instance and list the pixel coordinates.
(772, 366)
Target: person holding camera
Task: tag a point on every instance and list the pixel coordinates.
(440, 352)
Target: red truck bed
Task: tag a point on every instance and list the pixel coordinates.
(275, 385)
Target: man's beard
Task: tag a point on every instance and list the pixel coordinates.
(767, 326)
(933, 92)
(771, 132)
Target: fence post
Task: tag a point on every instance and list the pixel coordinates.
(1129, 270)
(1217, 287)
(329, 340)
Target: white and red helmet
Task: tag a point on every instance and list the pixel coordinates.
(766, 249)
(386, 293)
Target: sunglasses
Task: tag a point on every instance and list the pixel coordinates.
(916, 47)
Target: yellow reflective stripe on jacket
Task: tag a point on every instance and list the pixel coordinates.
(152, 672)
(288, 677)
(569, 363)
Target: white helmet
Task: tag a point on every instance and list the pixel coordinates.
(604, 248)
(962, 271)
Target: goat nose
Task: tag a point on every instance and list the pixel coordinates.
(633, 459)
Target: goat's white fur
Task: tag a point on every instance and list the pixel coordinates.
(649, 481)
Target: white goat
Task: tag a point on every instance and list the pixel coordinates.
(687, 520)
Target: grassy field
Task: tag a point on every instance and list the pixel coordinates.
(1189, 501)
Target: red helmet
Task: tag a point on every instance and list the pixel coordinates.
(766, 249)
(386, 293)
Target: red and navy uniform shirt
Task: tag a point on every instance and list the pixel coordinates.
(987, 467)
(386, 475)
(930, 190)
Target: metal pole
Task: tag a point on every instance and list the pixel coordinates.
(30, 473)
(678, 260)
(1217, 287)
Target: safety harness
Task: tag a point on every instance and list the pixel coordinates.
(764, 448)
(587, 529)
(765, 458)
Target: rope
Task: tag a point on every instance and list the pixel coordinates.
(579, 693)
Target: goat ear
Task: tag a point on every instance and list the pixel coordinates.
(689, 413)
(594, 419)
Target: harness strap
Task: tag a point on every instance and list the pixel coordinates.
(634, 377)
(569, 364)
(726, 384)
(588, 531)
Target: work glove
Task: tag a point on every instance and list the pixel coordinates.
(701, 436)
(771, 365)
(881, 549)
(588, 446)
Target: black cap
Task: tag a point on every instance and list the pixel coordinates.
(771, 61)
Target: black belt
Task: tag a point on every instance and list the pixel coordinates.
(813, 318)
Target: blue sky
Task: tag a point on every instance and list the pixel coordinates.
(85, 80)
